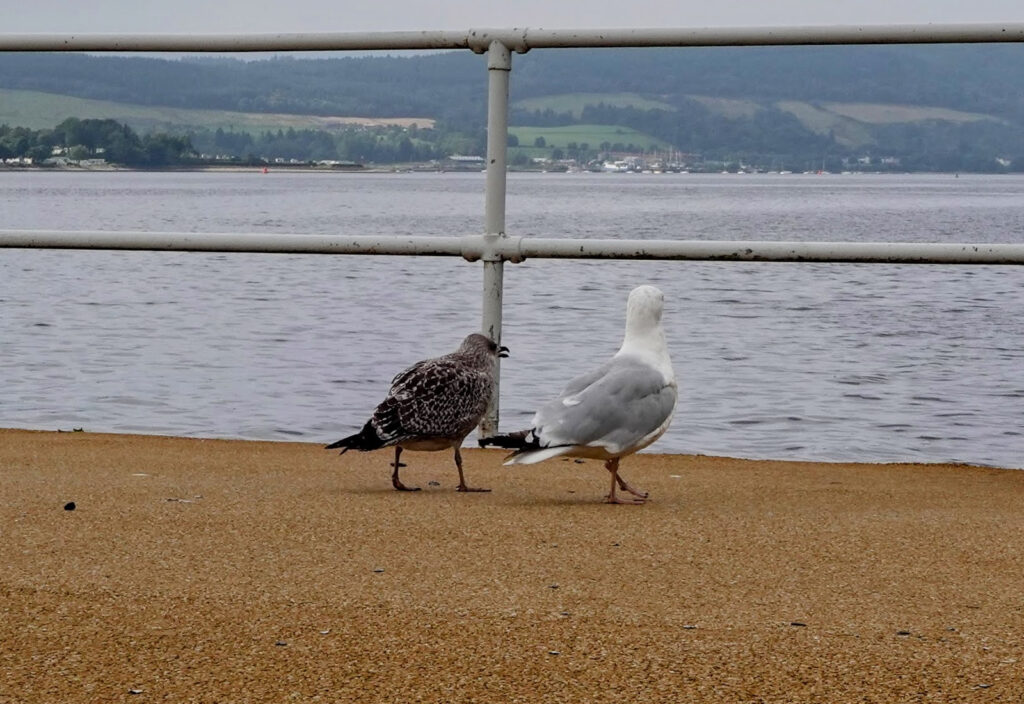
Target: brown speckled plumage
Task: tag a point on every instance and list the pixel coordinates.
(433, 405)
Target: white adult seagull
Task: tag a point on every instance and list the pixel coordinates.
(613, 411)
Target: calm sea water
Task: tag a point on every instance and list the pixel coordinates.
(813, 361)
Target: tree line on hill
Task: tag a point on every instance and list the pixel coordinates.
(109, 140)
(388, 144)
(77, 139)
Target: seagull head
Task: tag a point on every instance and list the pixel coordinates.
(477, 344)
(644, 307)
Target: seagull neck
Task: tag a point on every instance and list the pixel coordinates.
(645, 342)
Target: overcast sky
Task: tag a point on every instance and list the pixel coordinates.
(216, 16)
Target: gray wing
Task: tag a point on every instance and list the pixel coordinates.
(614, 406)
(436, 398)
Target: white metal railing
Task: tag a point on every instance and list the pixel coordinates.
(474, 248)
(523, 39)
(494, 246)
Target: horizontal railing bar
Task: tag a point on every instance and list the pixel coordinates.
(306, 41)
(266, 243)
(741, 250)
(522, 39)
(516, 249)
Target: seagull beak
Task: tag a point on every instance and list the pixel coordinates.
(503, 351)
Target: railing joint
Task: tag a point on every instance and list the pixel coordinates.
(499, 58)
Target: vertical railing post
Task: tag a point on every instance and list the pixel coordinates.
(499, 65)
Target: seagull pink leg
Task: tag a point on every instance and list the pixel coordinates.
(462, 479)
(395, 481)
(626, 487)
(612, 466)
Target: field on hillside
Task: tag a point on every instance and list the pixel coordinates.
(22, 108)
(884, 114)
(847, 131)
(575, 102)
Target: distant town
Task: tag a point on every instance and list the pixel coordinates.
(167, 152)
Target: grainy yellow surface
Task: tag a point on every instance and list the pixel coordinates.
(229, 571)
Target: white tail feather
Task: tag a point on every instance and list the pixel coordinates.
(534, 456)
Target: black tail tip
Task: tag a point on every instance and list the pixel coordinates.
(345, 447)
(512, 441)
(365, 439)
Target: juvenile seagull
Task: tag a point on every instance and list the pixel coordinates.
(611, 412)
(433, 405)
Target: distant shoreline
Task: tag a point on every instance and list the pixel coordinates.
(419, 168)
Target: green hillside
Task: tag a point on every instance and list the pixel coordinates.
(849, 124)
(45, 110)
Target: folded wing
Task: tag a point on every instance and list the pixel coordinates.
(617, 406)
